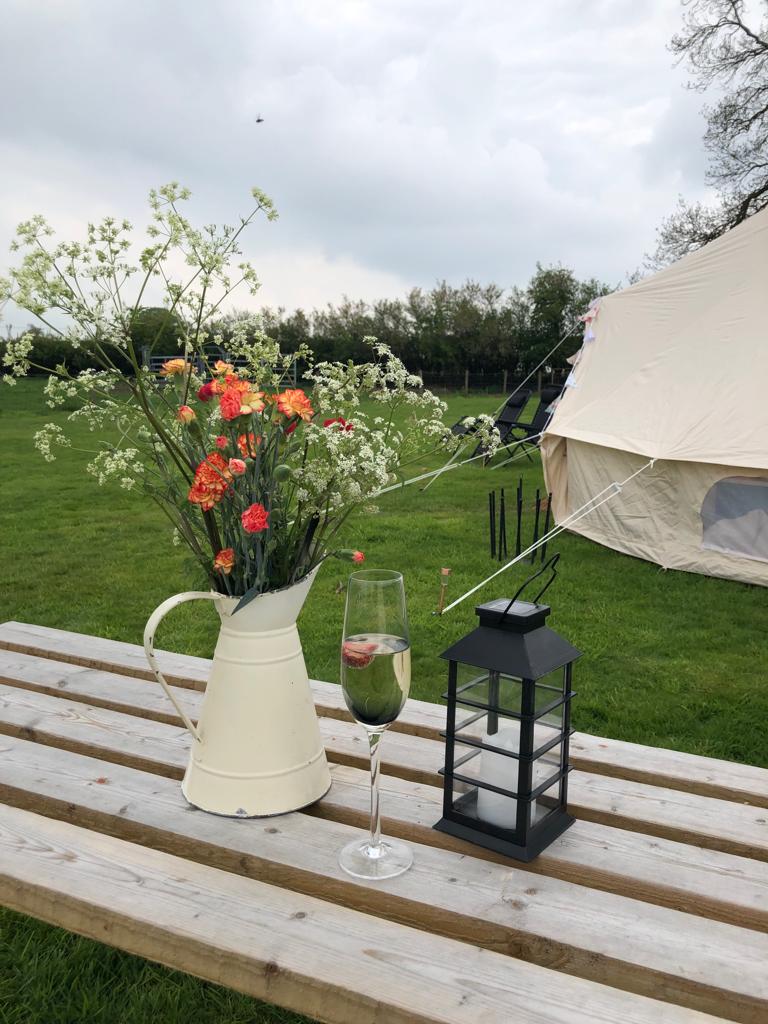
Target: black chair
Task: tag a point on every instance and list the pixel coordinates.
(509, 417)
(516, 433)
(536, 425)
(513, 406)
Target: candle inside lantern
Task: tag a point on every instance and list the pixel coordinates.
(502, 771)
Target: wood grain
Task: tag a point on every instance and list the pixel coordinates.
(731, 889)
(140, 743)
(335, 964)
(544, 921)
(705, 776)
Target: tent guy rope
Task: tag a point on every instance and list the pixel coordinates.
(596, 501)
(426, 476)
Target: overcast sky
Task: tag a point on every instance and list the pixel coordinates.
(402, 142)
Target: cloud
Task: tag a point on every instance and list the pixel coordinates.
(402, 142)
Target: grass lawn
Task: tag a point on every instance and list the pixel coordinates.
(670, 659)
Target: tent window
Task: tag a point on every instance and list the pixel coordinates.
(735, 517)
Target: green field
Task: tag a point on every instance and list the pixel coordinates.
(670, 659)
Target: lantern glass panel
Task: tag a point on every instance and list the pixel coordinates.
(478, 687)
(547, 803)
(473, 766)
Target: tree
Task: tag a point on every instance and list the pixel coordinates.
(556, 299)
(723, 51)
(156, 330)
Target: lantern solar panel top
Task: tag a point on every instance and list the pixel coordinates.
(507, 731)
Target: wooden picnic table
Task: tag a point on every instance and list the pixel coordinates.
(651, 909)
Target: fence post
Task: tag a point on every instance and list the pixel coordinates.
(504, 383)
(466, 382)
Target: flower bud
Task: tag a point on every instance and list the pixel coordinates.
(282, 473)
(350, 556)
(186, 414)
(237, 467)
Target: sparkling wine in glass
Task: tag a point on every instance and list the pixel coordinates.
(375, 679)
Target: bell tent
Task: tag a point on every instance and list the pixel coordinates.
(675, 369)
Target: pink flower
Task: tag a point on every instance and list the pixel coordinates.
(358, 556)
(237, 467)
(221, 441)
(255, 518)
(206, 392)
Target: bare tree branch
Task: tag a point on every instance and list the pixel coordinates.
(722, 49)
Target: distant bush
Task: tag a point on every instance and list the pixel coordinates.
(50, 351)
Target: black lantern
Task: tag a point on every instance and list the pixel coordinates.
(507, 731)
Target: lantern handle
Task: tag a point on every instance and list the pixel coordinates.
(550, 564)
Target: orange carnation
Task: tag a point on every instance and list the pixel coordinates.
(212, 478)
(172, 367)
(224, 561)
(233, 381)
(221, 367)
(186, 414)
(230, 404)
(294, 402)
(255, 519)
(252, 401)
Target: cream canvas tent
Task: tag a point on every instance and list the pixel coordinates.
(675, 368)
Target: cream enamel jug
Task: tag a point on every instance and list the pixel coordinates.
(256, 749)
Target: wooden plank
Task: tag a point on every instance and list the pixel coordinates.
(705, 776)
(338, 965)
(670, 874)
(672, 814)
(669, 814)
(544, 921)
(345, 741)
(151, 746)
(420, 718)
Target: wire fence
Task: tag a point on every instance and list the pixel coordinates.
(500, 382)
(495, 382)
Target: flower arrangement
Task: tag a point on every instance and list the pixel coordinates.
(256, 475)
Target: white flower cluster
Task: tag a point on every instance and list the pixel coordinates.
(16, 357)
(484, 431)
(345, 466)
(338, 387)
(47, 438)
(266, 366)
(120, 463)
(59, 389)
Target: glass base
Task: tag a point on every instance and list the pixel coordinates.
(362, 860)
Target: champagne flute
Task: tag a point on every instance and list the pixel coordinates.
(375, 679)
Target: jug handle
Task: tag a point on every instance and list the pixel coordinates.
(150, 629)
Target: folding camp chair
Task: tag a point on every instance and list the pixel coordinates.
(511, 429)
(510, 413)
(532, 429)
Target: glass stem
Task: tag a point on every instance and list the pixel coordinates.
(374, 739)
